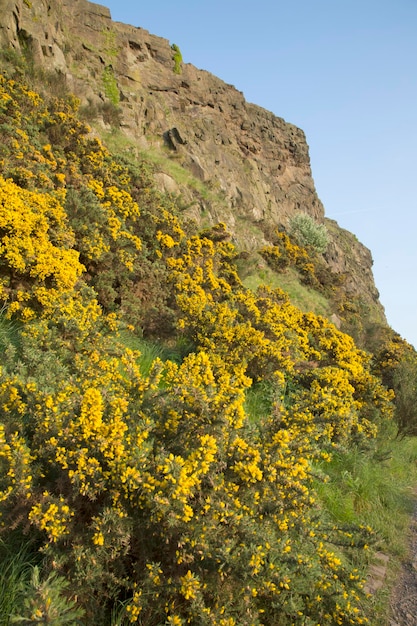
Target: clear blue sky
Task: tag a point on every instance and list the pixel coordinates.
(346, 73)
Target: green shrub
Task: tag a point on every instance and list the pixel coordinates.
(309, 232)
(405, 389)
(177, 58)
(396, 363)
(46, 602)
(166, 476)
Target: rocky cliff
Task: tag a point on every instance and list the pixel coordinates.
(241, 164)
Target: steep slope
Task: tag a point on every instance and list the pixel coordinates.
(231, 161)
(186, 488)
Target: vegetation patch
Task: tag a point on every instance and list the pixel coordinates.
(176, 447)
(111, 89)
(309, 232)
(301, 296)
(177, 58)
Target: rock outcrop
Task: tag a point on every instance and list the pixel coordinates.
(245, 166)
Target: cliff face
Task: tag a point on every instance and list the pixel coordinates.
(254, 166)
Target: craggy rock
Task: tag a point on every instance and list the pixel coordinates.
(254, 166)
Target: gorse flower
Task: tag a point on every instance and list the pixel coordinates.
(161, 490)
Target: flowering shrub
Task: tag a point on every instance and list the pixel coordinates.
(36, 259)
(168, 492)
(47, 150)
(160, 490)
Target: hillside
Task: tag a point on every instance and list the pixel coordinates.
(187, 435)
(229, 161)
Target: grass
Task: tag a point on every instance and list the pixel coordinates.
(301, 296)
(376, 489)
(117, 142)
(174, 169)
(373, 489)
(16, 567)
(168, 164)
(370, 493)
(162, 161)
(9, 332)
(258, 401)
(150, 350)
(119, 615)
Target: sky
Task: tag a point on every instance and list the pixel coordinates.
(345, 72)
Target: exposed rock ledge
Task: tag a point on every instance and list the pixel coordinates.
(254, 165)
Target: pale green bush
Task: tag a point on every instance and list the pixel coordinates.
(308, 232)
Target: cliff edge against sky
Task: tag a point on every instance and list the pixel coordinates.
(244, 166)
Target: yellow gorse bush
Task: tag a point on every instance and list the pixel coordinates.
(162, 489)
(38, 264)
(121, 466)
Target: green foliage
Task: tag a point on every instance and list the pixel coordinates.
(46, 602)
(259, 401)
(16, 566)
(308, 232)
(396, 362)
(13, 61)
(405, 389)
(177, 58)
(110, 42)
(370, 487)
(9, 331)
(303, 297)
(362, 490)
(111, 89)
